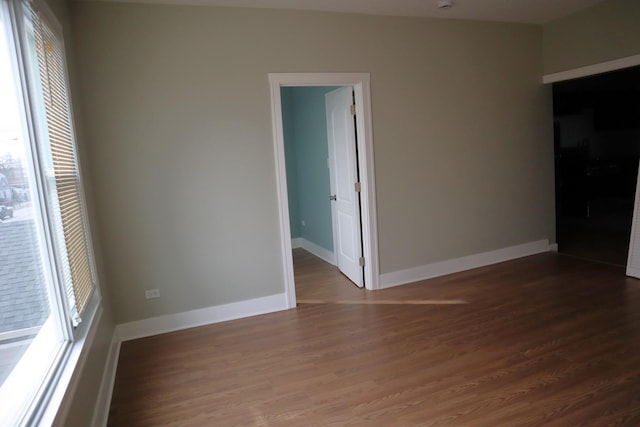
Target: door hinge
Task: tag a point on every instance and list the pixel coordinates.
(361, 261)
(358, 187)
(353, 109)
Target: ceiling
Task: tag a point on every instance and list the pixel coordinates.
(525, 11)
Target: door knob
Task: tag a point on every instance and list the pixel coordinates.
(333, 197)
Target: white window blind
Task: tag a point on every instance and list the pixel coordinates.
(62, 173)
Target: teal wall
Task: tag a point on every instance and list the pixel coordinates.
(286, 94)
(304, 121)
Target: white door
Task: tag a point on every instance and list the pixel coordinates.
(633, 260)
(343, 171)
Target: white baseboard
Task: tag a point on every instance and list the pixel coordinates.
(103, 402)
(296, 242)
(317, 250)
(553, 247)
(204, 316)
(456, 265)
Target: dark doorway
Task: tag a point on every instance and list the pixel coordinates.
(597, 147)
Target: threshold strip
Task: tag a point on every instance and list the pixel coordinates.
(382, 302)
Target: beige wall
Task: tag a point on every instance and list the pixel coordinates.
(607, 31)
(177, 116)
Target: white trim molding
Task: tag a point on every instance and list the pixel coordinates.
(62, 398)
(296, 242)
(203, 316)
(457, 265)
(590, 70)
(105, 393)
(361, 86)
(317, 250)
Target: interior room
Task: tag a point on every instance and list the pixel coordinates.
(200, 236)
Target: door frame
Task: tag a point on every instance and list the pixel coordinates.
(361, 86)
(588, 71)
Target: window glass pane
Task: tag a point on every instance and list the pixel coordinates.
(31, 336)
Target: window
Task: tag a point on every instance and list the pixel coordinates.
(47, 276)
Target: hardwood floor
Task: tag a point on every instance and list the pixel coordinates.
(544, 340)
(318, 282)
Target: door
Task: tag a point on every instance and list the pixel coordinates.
(343, 171)
(633, 260)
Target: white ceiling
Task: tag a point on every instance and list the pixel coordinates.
(527, 11)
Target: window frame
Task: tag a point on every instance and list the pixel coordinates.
(49, 402)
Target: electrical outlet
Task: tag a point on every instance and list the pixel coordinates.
(304, 224)
(152, 293)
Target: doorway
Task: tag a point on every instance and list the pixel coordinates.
(322, 176)
(597, 148)
(363, 150)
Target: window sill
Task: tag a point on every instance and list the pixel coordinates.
(56, 405)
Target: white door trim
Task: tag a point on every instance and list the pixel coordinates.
(591, 70)
(361, 86)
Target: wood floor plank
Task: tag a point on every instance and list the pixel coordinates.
(544, 340)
